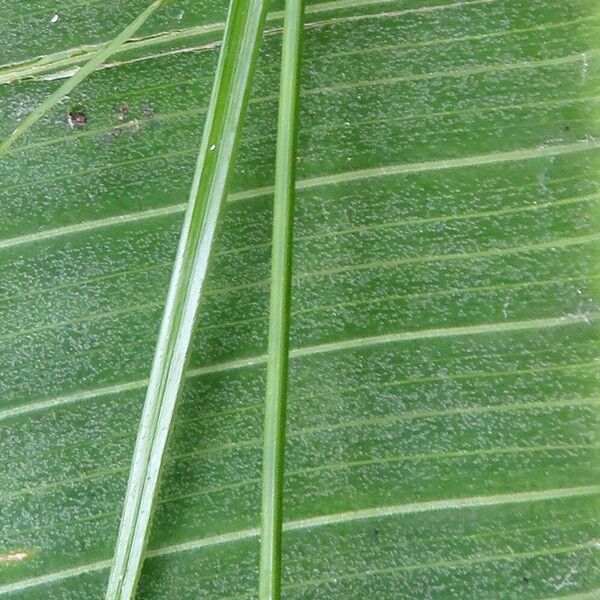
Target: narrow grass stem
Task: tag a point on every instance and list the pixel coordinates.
(279, 319)
(228, 102)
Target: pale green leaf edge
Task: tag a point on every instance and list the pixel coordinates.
(229, 98)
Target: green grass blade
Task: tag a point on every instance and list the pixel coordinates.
(281, 273)
(87, 69)
(227, 105)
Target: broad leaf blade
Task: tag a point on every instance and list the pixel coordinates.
(413, 424)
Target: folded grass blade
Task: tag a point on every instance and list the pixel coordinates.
(87, 69)
(281, 272)
(227, 105)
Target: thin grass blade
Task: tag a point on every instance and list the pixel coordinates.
(227, 106)
(279, 319)
(87, 69)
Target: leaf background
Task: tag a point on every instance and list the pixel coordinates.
(89, 221)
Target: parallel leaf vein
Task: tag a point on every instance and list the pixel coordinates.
(321, 521)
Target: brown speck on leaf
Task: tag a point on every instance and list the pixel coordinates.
(122, 112)
(76, 119)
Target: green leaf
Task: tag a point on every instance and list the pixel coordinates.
(228, 102)
(97, 58)
(443, 397)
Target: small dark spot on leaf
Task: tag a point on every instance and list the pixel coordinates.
(376, 532)
(76, 118)
(149, 111)
(567, 128)
(122, 112)
(526, 579)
